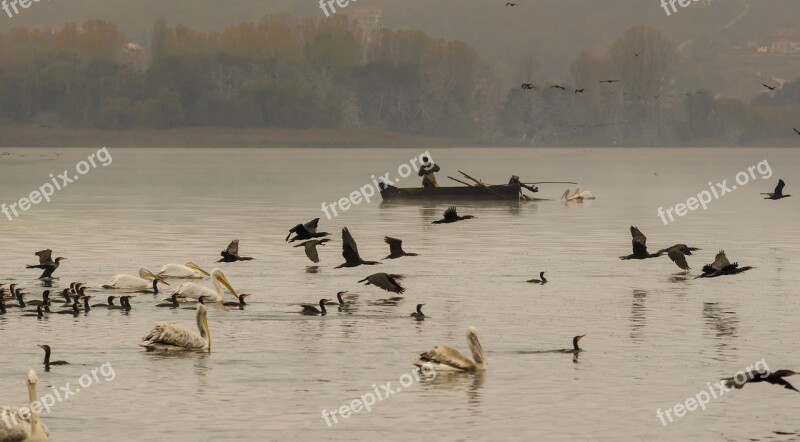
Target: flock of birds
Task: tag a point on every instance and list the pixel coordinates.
(171, 337)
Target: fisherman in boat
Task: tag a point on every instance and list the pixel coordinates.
(427, 172)
(515, 180)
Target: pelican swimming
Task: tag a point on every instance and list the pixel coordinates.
(187, 270)
(578, 195)
(26, 426)
(174, 337)
(193, 290)
(449, 359)
(144, 281)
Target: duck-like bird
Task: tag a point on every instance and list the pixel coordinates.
(240, 303)
(418, 315)
(305, 231)
(187, 270)
(46, 263)
(231, 254)
(173, 302)
(542, 280)
(774, 378)
(143, 282)
(109, 304)
(449, 359)
(396, 248)
(312, 310)
(174, 337)
(385, 281)
(451, 216)
(778, 194)
(47, 361)
(721, 267)
(350, 252)
(311, 248)
(16, 426)
(195, 291)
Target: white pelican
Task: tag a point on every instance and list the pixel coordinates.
(187, 270)
(14, 427)
(144, 281)
(578, 195)
(449, 359)
(174, 337)
(193, 290)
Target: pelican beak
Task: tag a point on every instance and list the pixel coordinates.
(227, 284)
(197, 267)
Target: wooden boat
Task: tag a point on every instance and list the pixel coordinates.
(505, 192)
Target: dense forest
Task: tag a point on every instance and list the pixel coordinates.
(304, 72)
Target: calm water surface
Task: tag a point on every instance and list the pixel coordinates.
(654, 336)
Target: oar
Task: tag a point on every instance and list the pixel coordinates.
(459, 181)
(553, 182)
(480, 184)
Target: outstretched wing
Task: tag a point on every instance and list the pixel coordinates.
(678, 258)
(311, 226)
(45, 256)
(447, 356)
(639, 242)
(779, 187)
(349, 247)
(311, 250)
(395, 245)
(720, 261)
(386, 282)
(451, 214)
(233, 248)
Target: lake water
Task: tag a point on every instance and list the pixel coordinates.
(655, 337)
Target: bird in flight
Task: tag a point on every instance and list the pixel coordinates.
(231, 254)
(721, 266)
(580, 91)
(772, 88)
(46, 263)
(609, 81)
(796, 131)
(511, 4)
(527, 86)
(556, 86)
(451, 216)
(778, 194)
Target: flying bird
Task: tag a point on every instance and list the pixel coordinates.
(511, 4)
(609, 81)
(556, 86)
(46, 263)
(311, 248)
(231, 254)
(305, 231)
(350, 252)
(449, 359)
(580, 91)
(778, 194)
(396, 248)
(385, 281)
(721, 267)
(676, 252)
(451, 216)
(772, 88)
(796, 131)
(527, 86)
(774, 378)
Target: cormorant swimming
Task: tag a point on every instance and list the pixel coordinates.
(542, 281)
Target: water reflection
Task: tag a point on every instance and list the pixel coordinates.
(638, 314)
